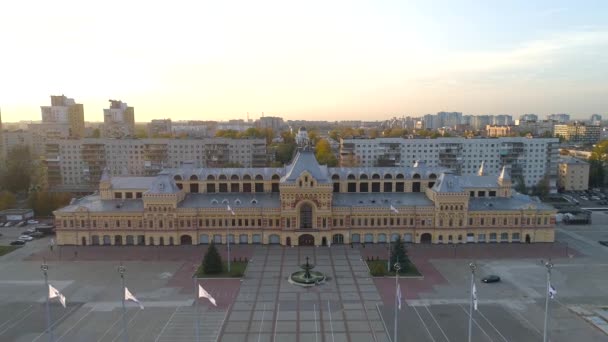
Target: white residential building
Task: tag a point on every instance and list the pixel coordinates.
(531, 159)
(78, 164)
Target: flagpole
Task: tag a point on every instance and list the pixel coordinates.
(473, 267)
(49, 329)
(397, 268)
(548, 265)
(196, 321)
(122, 269)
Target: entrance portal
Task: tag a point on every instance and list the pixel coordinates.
(185, 240)
(426, 238)
(306, 240)
(527, 238)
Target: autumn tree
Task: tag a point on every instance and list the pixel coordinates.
(324, 154)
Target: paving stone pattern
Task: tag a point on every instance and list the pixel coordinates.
(269, 308)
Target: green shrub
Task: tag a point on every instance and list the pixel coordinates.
(378, 269)
(212, 262)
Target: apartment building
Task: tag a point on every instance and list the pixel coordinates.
(64, 112)
(578, 132)
(118, 120)
(573, 174)
(159, 127)
(78, 164)
(494, 131)
(530, 159)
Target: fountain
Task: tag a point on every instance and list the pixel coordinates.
(307, 278)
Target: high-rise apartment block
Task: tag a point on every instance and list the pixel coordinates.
(596, 119)
(559, 118)
(77, 165)
(578, 132)
(118, 120)
(530, 159)
(528, 117)
(64, 115)
(273, 122)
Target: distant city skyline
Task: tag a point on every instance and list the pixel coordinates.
(316, 61)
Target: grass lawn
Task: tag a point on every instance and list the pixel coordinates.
(237, 269)
(7, 249)
(410, 269)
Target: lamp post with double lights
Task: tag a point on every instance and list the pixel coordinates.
(121, 270)
(549, 266)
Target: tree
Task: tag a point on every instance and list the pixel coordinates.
(96, 133)
(7, 200)
(399, 255)
(44, 203)
(284, 152)
(324, 154)
(542, 188)
(18, 170)
(212, 262)
(598, 162)
(520, 184)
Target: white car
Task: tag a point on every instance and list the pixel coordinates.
(25, 238)
(32, 222)
(21, 224)
(8, 224)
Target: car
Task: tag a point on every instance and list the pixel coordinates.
(491, 279)
(32, 222)
(17, 243)
(37, 235)
(8, 224)
(31, 230)
(21, 224)
(25, 238)
(603, 243)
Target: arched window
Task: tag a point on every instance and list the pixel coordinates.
(223, 177)
(177, 177)
(194, 178)
(210, 177)
(275, 177)
(375, 176)
(416, 176)
(335, 177)
(259, 177)
(306, 216)
(246, 177)
(234, 177)
(388, 176)
(433, 176)
(350, 176)
(363, 176)
(399, 176)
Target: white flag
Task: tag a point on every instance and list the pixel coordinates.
(54, 293)
(230, 209)
(393, 209)
(474, 297)
(204, 294)
(552, 291)
(399, 296)
(131, 297)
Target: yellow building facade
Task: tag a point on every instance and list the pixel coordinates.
(573, 174)
(304, 203)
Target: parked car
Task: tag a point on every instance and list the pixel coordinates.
(8, 224)
(1, 224)
(21, 224)
(32, 222)
(25, 238)
(603, 243)
(491, 279)
(17, 243)
(31, 230)
(36, 235)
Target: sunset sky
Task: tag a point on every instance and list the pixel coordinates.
(326, 60)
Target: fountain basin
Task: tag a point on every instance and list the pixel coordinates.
(300, 278)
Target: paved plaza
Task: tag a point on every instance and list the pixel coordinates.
(349, 306)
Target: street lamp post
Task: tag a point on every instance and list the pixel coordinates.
(549, 266)
(121, 270)
(397, 289)
(473, 268)
(49, 330)
(228, 245)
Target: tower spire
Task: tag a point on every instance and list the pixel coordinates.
(481, 170)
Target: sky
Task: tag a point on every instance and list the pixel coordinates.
(313, 60)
